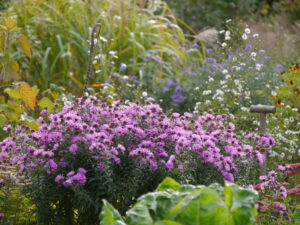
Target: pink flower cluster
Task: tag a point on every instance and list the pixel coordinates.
(107, 132)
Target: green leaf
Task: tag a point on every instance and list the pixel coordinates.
(46, 102)
(13, 93)
(3, 134)
(241, 203)
(167, 222)
(168, 183)
(203, 206)
(110, 216)
(139, 215)
(10, 23)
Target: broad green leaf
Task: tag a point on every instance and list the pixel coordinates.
(27, 95)
(33, 125)
(241, 202)
(139, 215)
(110, 216)
(13, 93)
(35, 89)
(167, 222)
(25, 45)
(3, 134)
(168, 183)
(46, 102)
(203, 206)
(10, 23)
(160, 203)
(3, 120)
(15, 107)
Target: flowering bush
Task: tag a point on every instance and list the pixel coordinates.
(90, 151)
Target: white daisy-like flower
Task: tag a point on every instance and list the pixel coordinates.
(255, 35)
(244, 36)
(253, 54)
(247, 31)
(227, 38)
(223, 44)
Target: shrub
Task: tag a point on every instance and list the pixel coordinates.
(173, 203)
(88, 152)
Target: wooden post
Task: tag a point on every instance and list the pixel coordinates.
(263, 110)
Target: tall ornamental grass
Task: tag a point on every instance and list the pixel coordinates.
(58, 32)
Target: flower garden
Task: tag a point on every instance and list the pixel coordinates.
(149, 112)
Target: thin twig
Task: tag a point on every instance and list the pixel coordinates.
(91, 54)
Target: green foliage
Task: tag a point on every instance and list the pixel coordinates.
(59, 34)
(174, 204)
(14, 205)
(207, 13)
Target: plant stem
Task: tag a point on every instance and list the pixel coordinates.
(91, 54)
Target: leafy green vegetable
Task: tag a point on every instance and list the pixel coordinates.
(175, 204)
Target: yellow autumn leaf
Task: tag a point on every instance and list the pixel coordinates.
(3, 27)
(27, 95)
(24, 43)
(10, 23)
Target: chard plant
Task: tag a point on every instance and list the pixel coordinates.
(172, 203)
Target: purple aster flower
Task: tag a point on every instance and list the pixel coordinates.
(73, 148)
(59, 178)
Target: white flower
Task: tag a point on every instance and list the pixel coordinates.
(225, 71)
(258, 66)
(227, 38)
(244, 36)
(207, 92)
(223, 44)
(221, 31)
(234, 58)
(196, 88)
(210, 79)
(255, 35)
(253, 54)
(273, 93)
(103, 39)
(227, 33)
(247, 31)
(144, 94)
(112, 52)
(227, 77)
(227, 21)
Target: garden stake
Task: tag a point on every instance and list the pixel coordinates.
(263, 110)
(91, 54)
